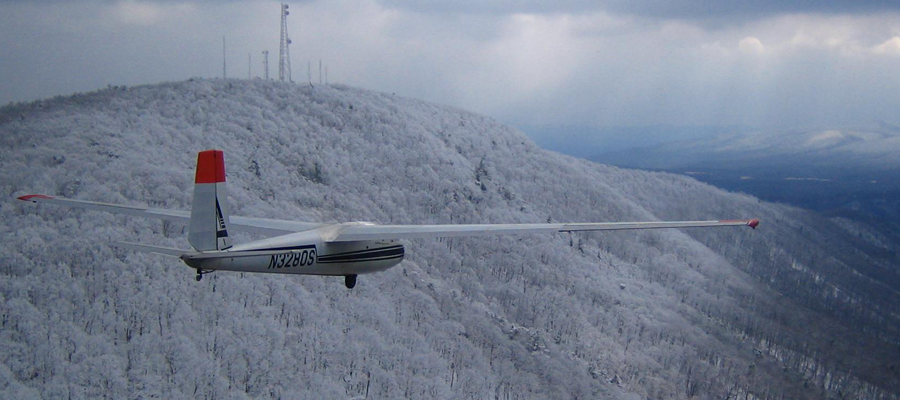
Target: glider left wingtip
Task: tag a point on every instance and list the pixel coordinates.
(753, 223)
(32, 197)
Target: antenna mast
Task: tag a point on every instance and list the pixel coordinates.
(284, 53)
(249, 67)
(224, 75)
(266, 63)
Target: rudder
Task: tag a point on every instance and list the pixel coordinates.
(209, 212)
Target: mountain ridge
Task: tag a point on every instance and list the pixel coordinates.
(650, 314)
(847, 173)
(867, 149)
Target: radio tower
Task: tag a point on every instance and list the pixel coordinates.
(224, 71)
(284, 53)
(266, 63)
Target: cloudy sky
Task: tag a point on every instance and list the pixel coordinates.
(782, 64)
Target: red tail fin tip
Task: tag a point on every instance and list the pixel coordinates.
(210, 167)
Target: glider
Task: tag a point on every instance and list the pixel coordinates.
(344, 249)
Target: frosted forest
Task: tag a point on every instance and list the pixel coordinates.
(804, 307)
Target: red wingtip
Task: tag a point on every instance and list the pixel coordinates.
(33, 196)
(753, 223)
(210, 167)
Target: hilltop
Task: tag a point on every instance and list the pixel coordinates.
(803, 307)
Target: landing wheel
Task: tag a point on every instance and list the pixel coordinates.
(350, 281)
(201, 272)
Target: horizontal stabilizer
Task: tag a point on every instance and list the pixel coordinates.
(263, 226)
(167, 251)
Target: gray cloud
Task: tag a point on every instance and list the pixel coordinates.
(585, 66)
(687, 9)
(691, 9)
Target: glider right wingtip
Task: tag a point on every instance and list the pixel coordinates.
(753, 223)
(31, 197)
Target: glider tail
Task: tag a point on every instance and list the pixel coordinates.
(209, 212)
(166, 251)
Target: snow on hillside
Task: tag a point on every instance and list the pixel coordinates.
(668, 314)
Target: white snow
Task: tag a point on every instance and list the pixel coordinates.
(513, 317)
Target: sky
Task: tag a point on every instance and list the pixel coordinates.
(608, 63)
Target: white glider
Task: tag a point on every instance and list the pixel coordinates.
(345, 249)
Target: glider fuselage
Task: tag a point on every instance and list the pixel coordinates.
(304, 253)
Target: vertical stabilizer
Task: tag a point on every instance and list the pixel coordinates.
(209, 212)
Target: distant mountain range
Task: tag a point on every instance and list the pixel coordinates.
(848, 173)
(826, 152)
(804, 307)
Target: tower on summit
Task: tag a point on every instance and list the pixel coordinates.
(284, 52)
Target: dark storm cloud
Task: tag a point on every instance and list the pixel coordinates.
(652, 8)
(682, 9)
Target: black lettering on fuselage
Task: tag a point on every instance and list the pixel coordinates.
(293, 258)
